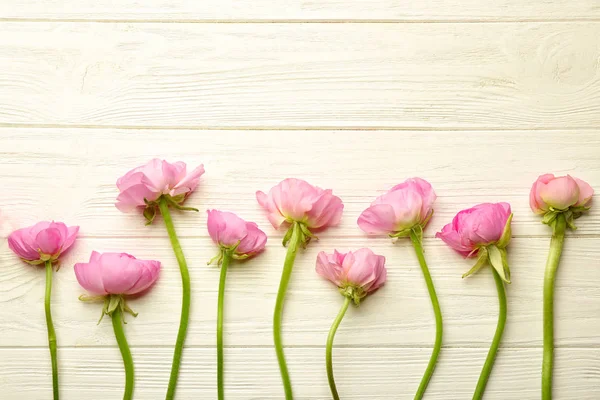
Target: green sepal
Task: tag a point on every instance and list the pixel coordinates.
(288, 235)
(111, 303)
(402, 233)
(306, 235)
(549, 217)
(482, 259)
(356, 294)
(569, 218)
(498, 260)
(240, 257)
(506, 234)
(149, 214)
(176, 204)
(33, 262)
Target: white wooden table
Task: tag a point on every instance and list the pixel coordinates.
(476, 96)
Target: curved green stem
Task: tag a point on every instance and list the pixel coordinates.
(224, 266)
(491, 357)
(329, 348)
(438, 317)
(556, 245)
(277, 315)
(185, 303)
(51, 332)
(117, 322)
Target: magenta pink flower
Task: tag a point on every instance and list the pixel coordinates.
(356, 273)
(231, 232)
(403, 207)
(43, 241)
(483, 230)
(550, 193)
(295, 200)
(475, 227)
(116, 273)
(155, 179)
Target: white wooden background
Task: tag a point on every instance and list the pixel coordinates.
(476, 96)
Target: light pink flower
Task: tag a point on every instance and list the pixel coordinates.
(402, 207)
(156, 178)
(560, 193)
(116, 273)
(227, 230)
(42, 241)
(356, 273)
(478, 226)
(297, 200)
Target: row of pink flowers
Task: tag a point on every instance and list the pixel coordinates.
(402, 207)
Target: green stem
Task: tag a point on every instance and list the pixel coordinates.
(329, 348)
(277, 315)
(556, 245)
(51, 332)
(225, 264)
(117, 321)
(185, 303)
(491, 357)
(438, 317)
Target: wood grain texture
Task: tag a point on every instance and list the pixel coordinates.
(500, 76)
(70, 174)
(400, 314)
(299, 10)
(252, 374)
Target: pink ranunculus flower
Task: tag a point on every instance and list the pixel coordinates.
(297, 200)
(155, 179)
(116, 273)
(356, 273)
(403, 207)
(231, 232)
(550, 193)
(44, 241)
(483, 231)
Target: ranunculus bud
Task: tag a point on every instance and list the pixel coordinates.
(111, 276)
(295, 200)
(143, 186)
(356, 273)
(231, 232)
(42, 242)
(402, 208)
(566, 195)
(483, 230)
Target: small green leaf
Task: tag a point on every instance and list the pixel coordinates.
(506, 234)
(495, 258)
(481, 260)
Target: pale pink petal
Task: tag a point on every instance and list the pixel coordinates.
(378, 219)
(254, 242)
(585, 193)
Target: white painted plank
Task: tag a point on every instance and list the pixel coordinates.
(267, 10)
(70, 174)
(399, 314)
(508, 75)
(252, 374)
